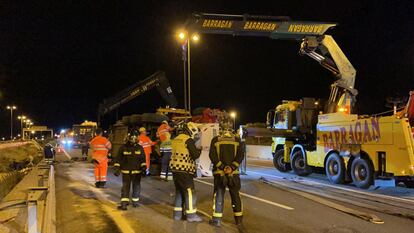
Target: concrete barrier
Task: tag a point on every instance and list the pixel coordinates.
(259, 152)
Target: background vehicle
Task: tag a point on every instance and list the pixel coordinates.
(83, 132)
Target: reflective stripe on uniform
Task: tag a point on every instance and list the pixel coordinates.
(135, 172)
(190, 202)
(217, 215)
(117, 165)
(178, 209)
(193, 211)
(135, 199)
(125, 171)
(143, 164)
(235, 163)
(125, 199)
(238, 213)
(219, 164)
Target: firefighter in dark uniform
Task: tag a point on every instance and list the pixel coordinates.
(226, 154)
(183, 167)
(131, 163)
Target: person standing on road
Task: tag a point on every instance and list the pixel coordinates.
(84, 148)
(165, 149)
(146, 142)
(226, 154)
(130, 161)
(163, 133)
(49, 152)
(183, 167)
(100, 147)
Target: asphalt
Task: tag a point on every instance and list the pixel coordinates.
(272, 202)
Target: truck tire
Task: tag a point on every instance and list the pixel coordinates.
(409, 184)
(299, 165)
(335, 169)
(362, 173)
(279, 162)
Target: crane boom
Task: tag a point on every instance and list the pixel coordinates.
(156, 80)
(315, 44)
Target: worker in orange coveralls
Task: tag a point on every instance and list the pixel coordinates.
(100, 147)
(146, 142)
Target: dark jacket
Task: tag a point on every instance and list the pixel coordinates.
(130, 158)
(226, 150)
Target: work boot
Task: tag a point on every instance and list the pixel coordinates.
(239, 220)
(135, 204)
(215, 222)
(178, 215)
(123, 206)
(97, 184)
(194, 218)
(102, 184)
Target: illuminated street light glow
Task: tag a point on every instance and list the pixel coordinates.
(195, 37)
(233, 115)
(181, 35)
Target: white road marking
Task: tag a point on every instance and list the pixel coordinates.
(66, 154)
(341, 188)
(254, 197)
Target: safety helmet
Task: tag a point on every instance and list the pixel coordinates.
(142, 130)
(192, 129)
(132, 137)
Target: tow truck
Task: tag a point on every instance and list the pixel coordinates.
(350, 147)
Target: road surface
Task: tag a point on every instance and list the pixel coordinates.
(273, 202)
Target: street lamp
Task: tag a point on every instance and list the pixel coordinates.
(21, 118)
(11, 108)
(185, 39)
(233, 116)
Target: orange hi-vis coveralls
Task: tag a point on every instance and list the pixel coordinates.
(100, 146)
(162, 132)
(146, 142)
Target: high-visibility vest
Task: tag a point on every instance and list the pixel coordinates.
(181, 160)
(100, 146)
(163, 131)
(145, 142)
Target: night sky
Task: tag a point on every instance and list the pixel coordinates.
(59, 59)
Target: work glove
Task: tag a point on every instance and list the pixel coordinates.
(117, 171)
(95, 161)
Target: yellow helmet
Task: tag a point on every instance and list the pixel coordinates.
(142, 130)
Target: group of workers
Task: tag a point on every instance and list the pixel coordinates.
(179, 157)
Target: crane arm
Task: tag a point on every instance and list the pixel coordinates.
(315, 43)
(156, 80)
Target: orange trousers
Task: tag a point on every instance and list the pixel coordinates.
(147, 159)
(101, 170)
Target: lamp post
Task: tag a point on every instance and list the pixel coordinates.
(233, 116)
(185, 39)
(11, 108)
(21, 118)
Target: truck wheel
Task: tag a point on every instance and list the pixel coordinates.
(335, 169)
(279, 162)
(362, 173)
(409, 184)
(299, 165)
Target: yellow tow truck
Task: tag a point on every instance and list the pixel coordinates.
(312, 133)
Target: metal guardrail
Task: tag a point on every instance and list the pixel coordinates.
(41, 201)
